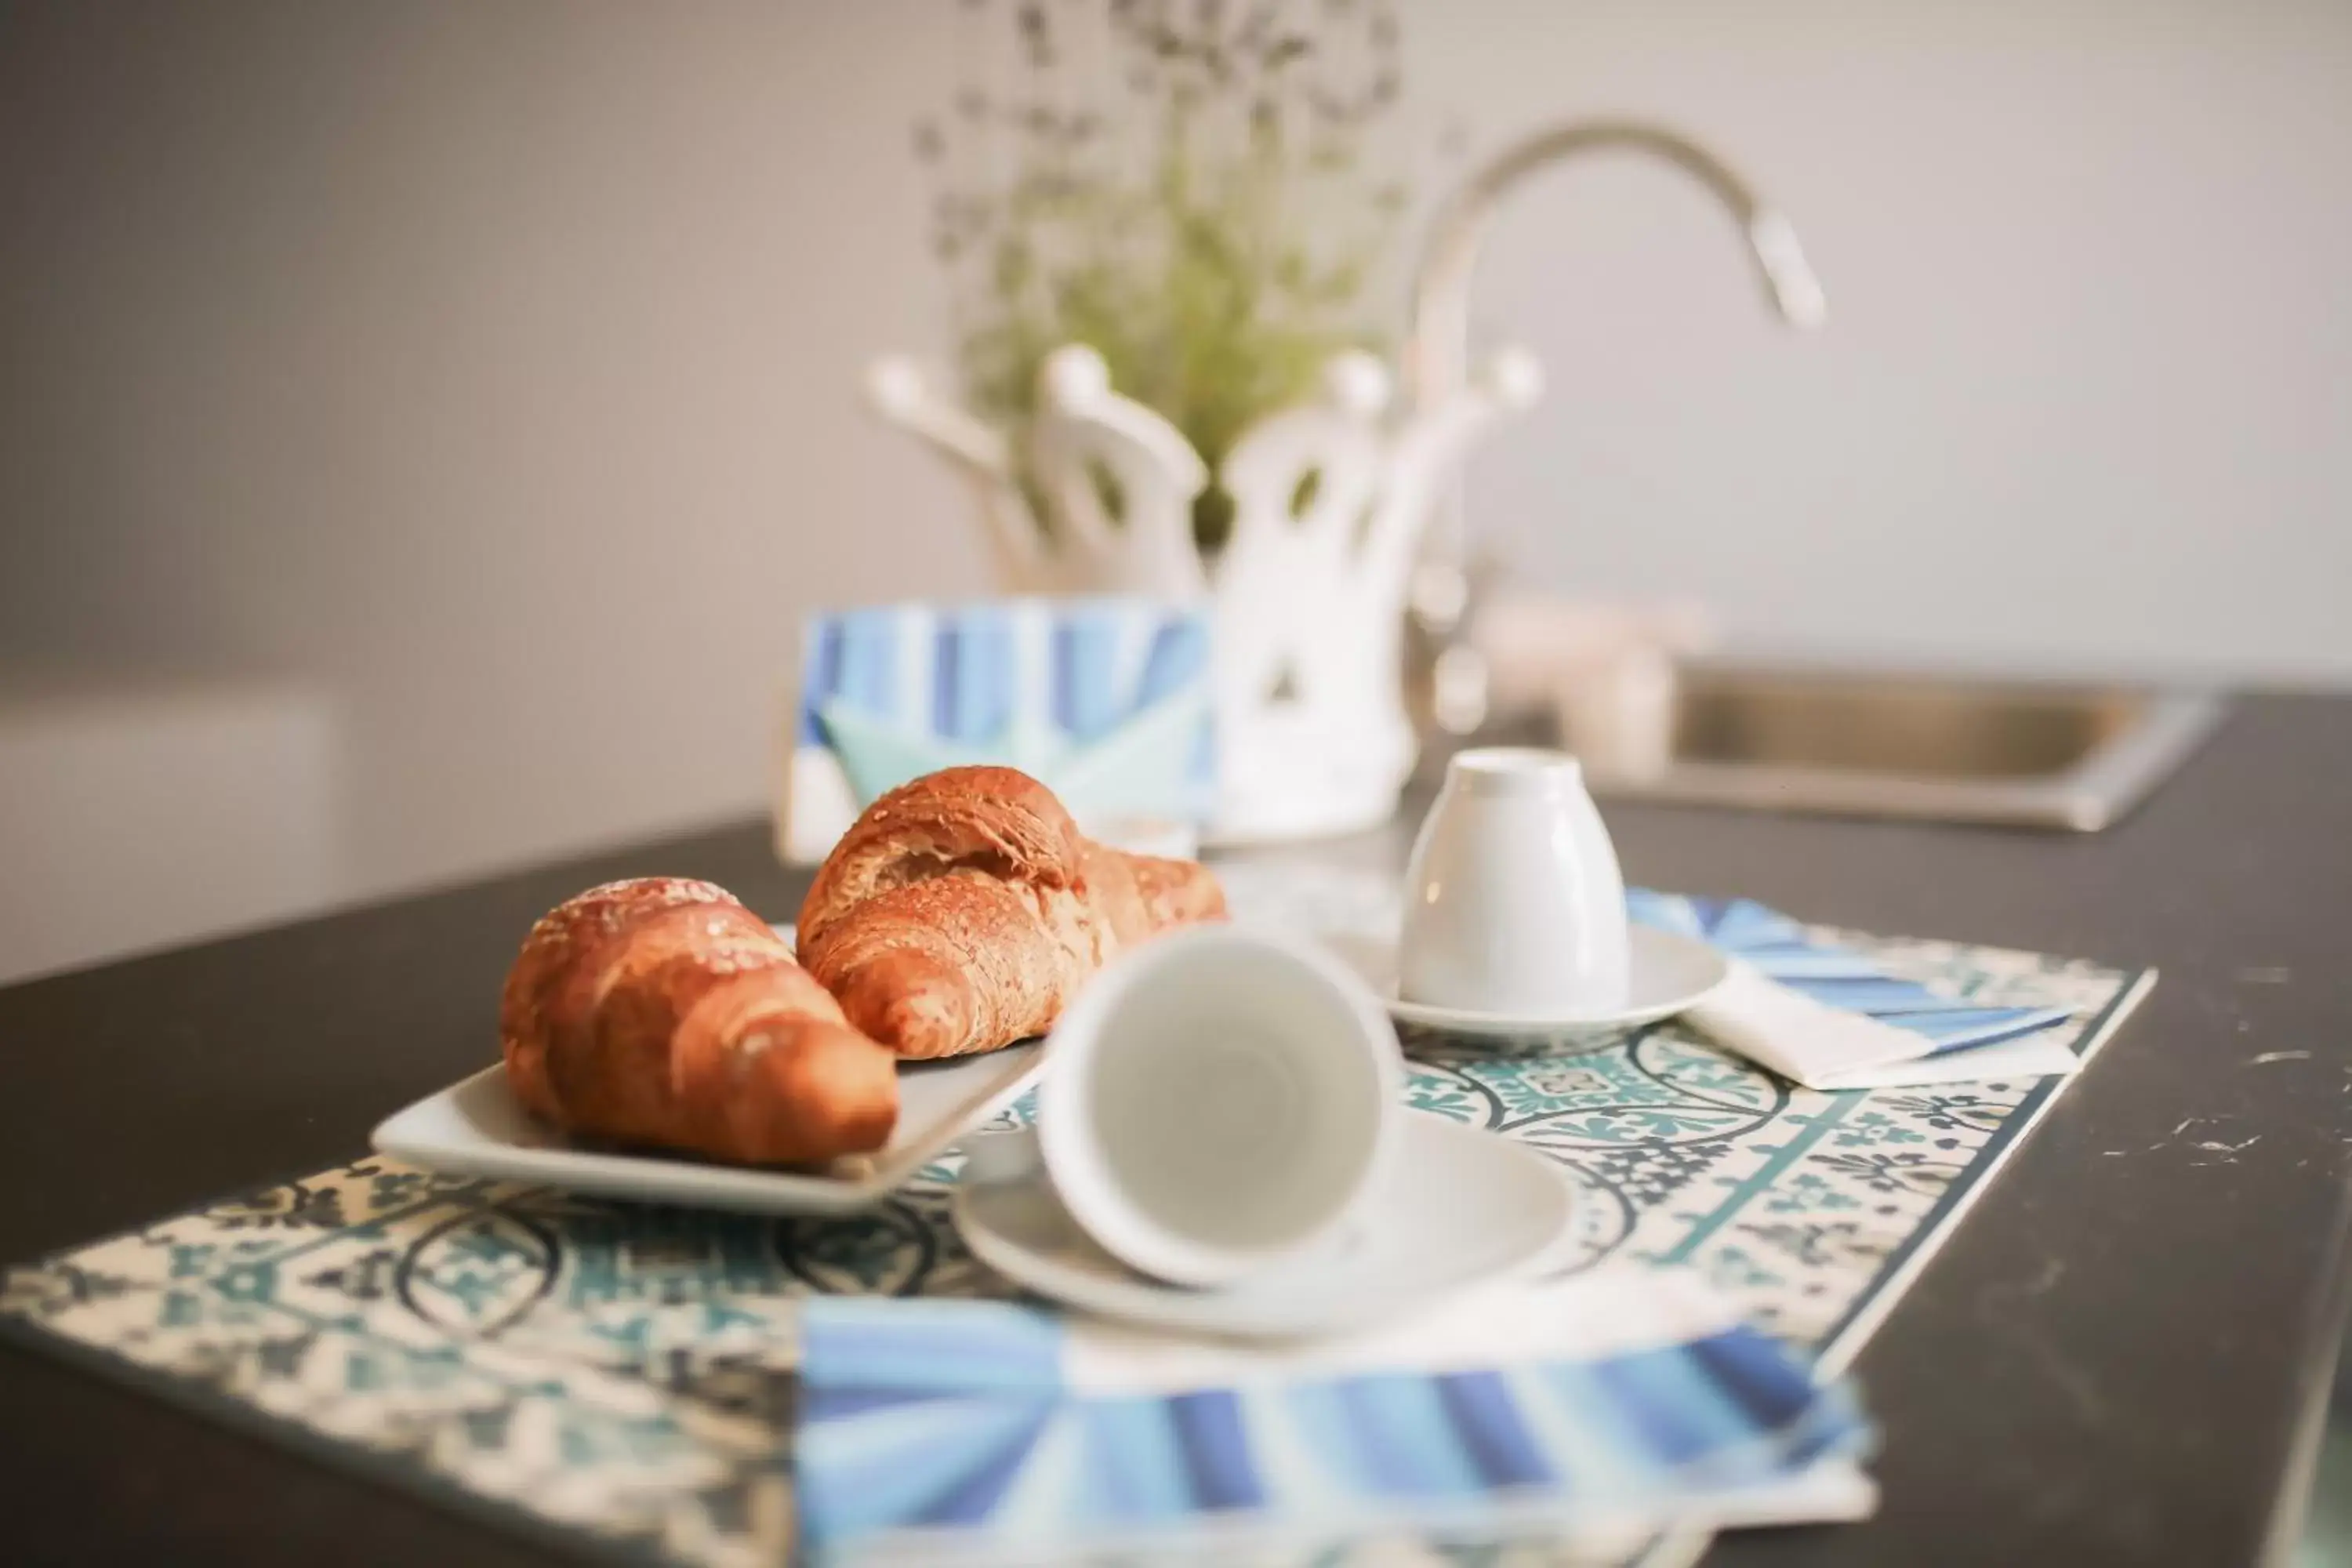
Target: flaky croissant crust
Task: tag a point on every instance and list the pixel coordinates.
(662, 1012)
(962, 911)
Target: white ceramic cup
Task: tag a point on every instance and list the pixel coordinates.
(1513, 903)
(1219, 1103)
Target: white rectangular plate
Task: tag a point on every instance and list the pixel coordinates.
(476, 1128)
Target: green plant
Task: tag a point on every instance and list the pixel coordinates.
(1185, 187)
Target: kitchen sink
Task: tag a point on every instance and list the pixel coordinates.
(1949, 748)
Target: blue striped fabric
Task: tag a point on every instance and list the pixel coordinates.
(820, 671)
(972, 695)
(895, 691)
(931, 1425)
(1779, 947)
(1087, 700)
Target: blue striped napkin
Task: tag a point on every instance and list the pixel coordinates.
(1105, 699)
(1829, 1018)
(1622, 1401)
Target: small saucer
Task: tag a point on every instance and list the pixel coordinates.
(1459, 1205)
(1671, 974)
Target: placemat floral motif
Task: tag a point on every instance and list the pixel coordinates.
(621, 1375)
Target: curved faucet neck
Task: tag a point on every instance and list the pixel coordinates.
(1437, 352)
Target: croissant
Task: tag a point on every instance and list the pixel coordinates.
(963, 910)
(663, 1012)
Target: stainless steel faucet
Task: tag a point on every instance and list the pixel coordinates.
(1446, 680)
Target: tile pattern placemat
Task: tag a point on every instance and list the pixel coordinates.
(622, 1375)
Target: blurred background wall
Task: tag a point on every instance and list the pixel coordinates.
(463, 392)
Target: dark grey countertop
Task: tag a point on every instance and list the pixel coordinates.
(2113, 1360)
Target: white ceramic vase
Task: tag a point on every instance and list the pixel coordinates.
(1308, 598)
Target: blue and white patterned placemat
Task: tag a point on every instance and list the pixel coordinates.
(622, 1375)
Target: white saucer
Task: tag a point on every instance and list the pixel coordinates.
(1671, 974)
(1460, 1205)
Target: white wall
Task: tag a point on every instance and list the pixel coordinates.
(2085, 395)
(154, 814)
(493, 362)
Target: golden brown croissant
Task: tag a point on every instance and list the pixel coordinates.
(963, 910)
(663, 1012)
